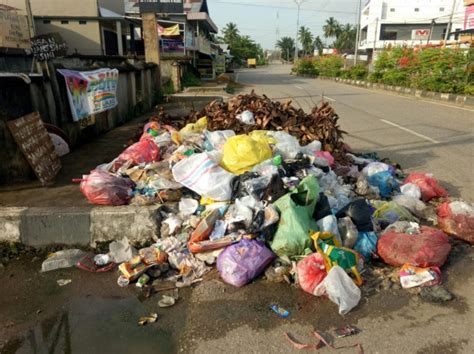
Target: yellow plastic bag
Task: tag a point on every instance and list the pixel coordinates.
(242, 153)
(197, 127)
(264, 136)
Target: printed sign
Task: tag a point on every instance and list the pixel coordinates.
(14, 31)
(48, 46)
(172, 45)
(34, 141)
(162, 6)
(91, 92)
(420, 34)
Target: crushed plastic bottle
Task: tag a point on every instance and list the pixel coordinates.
(62, 259)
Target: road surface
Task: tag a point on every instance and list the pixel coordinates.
(421, 135)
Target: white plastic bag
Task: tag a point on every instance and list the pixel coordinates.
(411, 190)
(329, 224)
(287, 145)
(312, 148)
(375, 167)
(203, 175)
(187, 206)
(246, 117)
(340, 289)
(218, 138)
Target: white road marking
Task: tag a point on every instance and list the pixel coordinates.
(329, 98)
(299, 87)
(410, 131)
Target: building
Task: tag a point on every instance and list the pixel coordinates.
(410, 22)
(93, 27)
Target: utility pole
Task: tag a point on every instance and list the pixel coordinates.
(433, 22)
(359, 11)
(278, 28)
(448, 29)
(375, 37)
(298, 4)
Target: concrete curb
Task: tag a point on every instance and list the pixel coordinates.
(406, 91)
(85, 226)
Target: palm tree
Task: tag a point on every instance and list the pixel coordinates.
(332, 28)
(306, 39)
(231, 33)
(287, 46)
(345, 40)
(319, 45)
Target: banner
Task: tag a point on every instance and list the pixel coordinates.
(168, 31)
(469, 17)
(172, 45)
(91, 92)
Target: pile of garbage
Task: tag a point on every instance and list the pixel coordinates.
(253, 187)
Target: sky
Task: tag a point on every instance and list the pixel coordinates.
(258, 18)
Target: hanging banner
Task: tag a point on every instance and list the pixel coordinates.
(168, 31)
(91, 92)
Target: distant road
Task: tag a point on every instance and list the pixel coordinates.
(421, 135)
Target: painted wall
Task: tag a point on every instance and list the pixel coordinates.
(117, 6)
(64, 8)
(81, 38)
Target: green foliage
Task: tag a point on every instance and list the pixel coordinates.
(330, 65)
(306, 39)
(190, 80)
(241, 47)
(357, 72)
(431, 69)
(469, 89)
(167, 89)
(287, 46)
(306, 66)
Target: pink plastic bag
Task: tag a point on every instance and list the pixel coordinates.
(327, 156)
(102, 188)
(429, 248)
(311, 272)
(142, 152)
(429, 186)
(460, 223)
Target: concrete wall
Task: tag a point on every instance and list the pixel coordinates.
(81, 38)
(64, 8)
(117, 6)
(19, 4)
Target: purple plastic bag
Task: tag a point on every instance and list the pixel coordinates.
(239, 264)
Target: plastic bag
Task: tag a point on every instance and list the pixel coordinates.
(203, 175)
(144, 151)
(311, 272)
(415, 206)
(411, 190)
(389, 212)
(239, 264)
(326, 156)
(428, 185)
(385, 182)
(329, 224)
(366, 244)
(102, 188)
(457, 219)
(296, 223)
(376, 167)
(216, 140)
(287, 145)
(264, 136)
(312, 148)
(323, 208)
(348, 232)
(340, 289)
(429, 248)
(242, 153)
(360, 213)
(197, 127)
(246, 117)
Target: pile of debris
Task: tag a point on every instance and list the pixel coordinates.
(253, 186)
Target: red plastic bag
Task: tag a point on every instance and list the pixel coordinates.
(102, 188)
(457, 219)
(311, 271)
(142, 152)
(428, 185)
(326, 156)
(429, 248)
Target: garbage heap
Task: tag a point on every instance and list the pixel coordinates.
(255, 186)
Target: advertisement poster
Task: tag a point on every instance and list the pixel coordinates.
(91, 92)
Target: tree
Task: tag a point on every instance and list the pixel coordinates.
(332, 28)
(345, 40)
(287, 46)
(318, 44)
(306, 39)
(231, 33)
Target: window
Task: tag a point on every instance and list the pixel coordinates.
(417, 9)
(441, 9)
(392, 10)
(46, 22)
(64, 22)
(83, 22)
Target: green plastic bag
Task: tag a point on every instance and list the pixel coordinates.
(390, 212)
(293, 236)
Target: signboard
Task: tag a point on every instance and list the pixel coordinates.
(14, 31)
(172, 45)
(48, 46)
(34, 141)
(162, 6)
(420, 34)
(91, 92)
(469, 17)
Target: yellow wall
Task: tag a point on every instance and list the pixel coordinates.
(83, 38)
(64, 8)
(19, 4)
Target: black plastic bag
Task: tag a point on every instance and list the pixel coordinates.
(360, 213)
(323, 208)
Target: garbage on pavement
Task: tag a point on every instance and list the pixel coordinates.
(252, 187)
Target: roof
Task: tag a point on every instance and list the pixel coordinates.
(203, 16)
(106, 13)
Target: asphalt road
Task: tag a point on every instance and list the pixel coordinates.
(421, 135)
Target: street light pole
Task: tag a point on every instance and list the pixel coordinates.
(448, 29)
(359, 11)
(298, 4)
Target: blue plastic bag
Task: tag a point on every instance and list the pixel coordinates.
(366, 244)
(385, 182)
